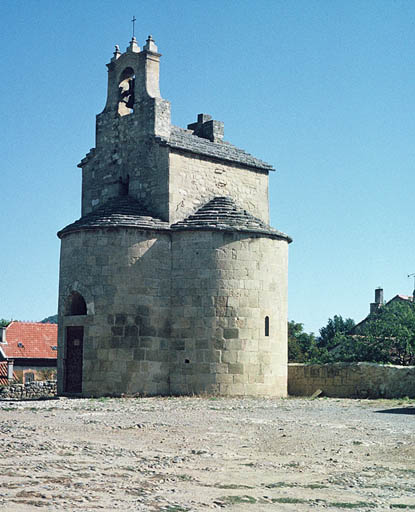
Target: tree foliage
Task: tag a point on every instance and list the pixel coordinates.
(50, 320)
(387, 336)
(4, 322)
(329, 334)
(301, 346)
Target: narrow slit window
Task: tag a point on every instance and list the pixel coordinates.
(267, 326)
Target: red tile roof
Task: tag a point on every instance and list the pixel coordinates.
(3, 374)
(30, 340)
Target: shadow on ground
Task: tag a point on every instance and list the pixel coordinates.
(400, 410)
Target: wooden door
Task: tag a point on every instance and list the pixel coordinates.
(73, 361)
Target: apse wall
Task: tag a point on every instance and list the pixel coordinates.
(229, 293)
(124, 276)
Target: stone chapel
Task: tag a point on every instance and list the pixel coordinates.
(172, 281)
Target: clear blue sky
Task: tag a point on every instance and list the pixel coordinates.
(323, 90)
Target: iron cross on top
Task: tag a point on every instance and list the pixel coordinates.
(133, 22)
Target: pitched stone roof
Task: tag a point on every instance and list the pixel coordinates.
(186, 141)
(221, 213)
(121, 211)
(30, 340)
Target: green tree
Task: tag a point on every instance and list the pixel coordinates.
(4, 322)
(387, 336)
(336, 327)
(50, 320)
(301, 346)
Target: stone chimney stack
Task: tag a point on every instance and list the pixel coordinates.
(207, 128)
(374, 306)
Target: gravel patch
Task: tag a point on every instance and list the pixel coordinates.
(193, 453)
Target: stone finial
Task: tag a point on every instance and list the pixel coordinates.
(150, 45)
(133, 48)
(117, 53)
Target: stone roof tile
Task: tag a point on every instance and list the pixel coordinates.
(121, 211)
(221, 213)
(185, 140)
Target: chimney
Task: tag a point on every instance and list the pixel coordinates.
(374, 306)
(207, 128)
(2, 334)
(10, 364)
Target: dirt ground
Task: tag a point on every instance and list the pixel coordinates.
(185, 454)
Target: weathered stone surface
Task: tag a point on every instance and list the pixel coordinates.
(186, 141)
(352, 380)
(221, 213)
(30, 391)
(232, 349)
(122, 211)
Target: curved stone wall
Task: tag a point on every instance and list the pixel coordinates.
(224, 285)
(124, 277)
(176, 312)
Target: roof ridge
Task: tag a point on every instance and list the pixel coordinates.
(27, 322)
(188, 141)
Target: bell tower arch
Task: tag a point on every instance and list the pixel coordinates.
(126, 92)
(133, 84)
(127, 158)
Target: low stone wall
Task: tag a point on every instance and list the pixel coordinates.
(32, 390)
(351, 380)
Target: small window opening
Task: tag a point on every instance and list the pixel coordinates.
(20, 344)
(123, 185)
(28, 377)
(187, 361)
(267, 326)
(126, 92)
(77, 305)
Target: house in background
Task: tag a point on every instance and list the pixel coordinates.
(29, 348)
(379, 303)
(7, 374)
